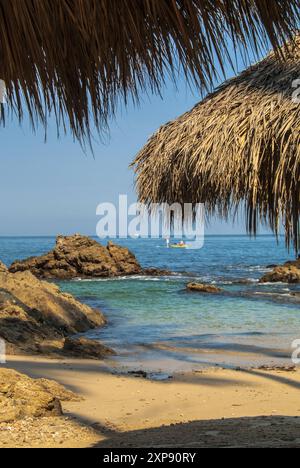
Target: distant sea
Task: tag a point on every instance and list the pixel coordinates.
(156, 325)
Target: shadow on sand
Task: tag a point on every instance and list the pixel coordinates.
(275, 431)
(269, 431)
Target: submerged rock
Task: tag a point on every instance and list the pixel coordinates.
(33, 311)
(295, 294)
(80, 257)
(157, 272)
(139, 374)
(85, 348)
(22, 397)
(203, 288)
(287, 273)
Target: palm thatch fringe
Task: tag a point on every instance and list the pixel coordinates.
(241, 145)
(78, 58)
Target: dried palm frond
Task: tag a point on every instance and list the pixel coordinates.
(78, 58)
(240, 145)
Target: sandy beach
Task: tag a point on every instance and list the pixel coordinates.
(214, 407)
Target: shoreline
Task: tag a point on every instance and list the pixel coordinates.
(121, 410)
(181, 388)
(161, 361)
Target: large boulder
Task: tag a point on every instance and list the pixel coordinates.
(49, 304)
(33, 311)
(203, 288)
(3, 267)
(85, 348)
(287, 273)
(80, 257)
(21, 397)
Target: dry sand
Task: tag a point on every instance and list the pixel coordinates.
(211, 408)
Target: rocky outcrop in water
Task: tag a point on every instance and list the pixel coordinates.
(32, 312)
(287, 273)
(157, 272)
(22, 397)
(80, 257)
(203, 288)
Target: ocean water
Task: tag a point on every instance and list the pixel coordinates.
(156, 325)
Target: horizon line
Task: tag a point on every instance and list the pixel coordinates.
(16, 236)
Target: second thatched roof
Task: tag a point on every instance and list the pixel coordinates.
(241, 145)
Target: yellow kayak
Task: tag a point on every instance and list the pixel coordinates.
(178, 246)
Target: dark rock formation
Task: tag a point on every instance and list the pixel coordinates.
(34, 311)
(157, 272)
(85, 348)
(203, 288)
(79, 256)
(287, 273)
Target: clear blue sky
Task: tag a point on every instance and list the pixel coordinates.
(53, 187)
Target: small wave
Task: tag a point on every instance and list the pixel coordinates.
(222, 283)
(259, 268)
(277, 295)
(128, 278)
(243, 266)
(271, 284)
(242, 281)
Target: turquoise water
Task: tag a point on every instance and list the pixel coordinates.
(155, 323)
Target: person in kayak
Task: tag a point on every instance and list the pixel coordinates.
(181, 244)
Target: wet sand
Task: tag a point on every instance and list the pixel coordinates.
(212, 407)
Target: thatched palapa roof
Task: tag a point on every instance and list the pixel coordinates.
(78, 58)
(240, 145)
